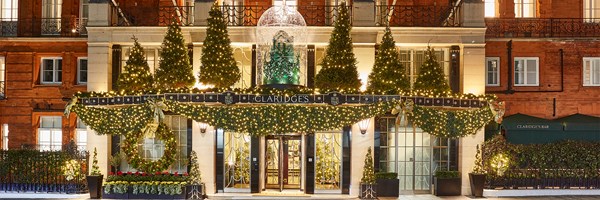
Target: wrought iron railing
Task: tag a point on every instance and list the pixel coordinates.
(542, 27)
(35, 27)
(152, 16)
(240, 15)
(419, 16)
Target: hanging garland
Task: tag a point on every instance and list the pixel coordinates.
(450, 123)
(130, 147)
(115, 121)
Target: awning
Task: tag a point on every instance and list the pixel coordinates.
(525, 129)
(580, 122)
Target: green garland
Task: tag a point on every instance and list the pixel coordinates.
(450, 123)
(130, 147)
(113, 120)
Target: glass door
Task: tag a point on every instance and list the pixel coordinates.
(283, 162)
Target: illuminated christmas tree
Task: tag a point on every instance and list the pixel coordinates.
(327, 165)
(283, 66)
(175, 70)
(218, 65)
(338, 70)
(95, 169)
(388, 75)
(368, 176)
(195, 176)
(136, 73)
(431, 78)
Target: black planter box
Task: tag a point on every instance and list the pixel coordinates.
(130, 195)
(388, 187)
(447, 186)
(368, 191)
(477, 181)
(95, 186)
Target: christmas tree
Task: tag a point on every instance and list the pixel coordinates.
(175, 70)
(478, 167)
(338, 70)
(368, 176)
(431, 78)
(136, 75)
(95, 169)
(218, 66)
(388, 75)
(195, 176)
(327, 165)
(283, 67)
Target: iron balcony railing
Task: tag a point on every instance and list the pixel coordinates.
(152, 16)
(542, 27)
(46, 27)
(240, 15)
(419, 16)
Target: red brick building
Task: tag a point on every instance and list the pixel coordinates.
(543, 58)
(43, 59)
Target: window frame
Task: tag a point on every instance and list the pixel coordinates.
(13, 11)
(520, 13)
(591, 73)
(79, 82)
(495, 8)
(591, 11)
(487, 60)
(52, 144)
(2, 77)
(525, 67)
(54, 71)
(4, 131)
(413, 69)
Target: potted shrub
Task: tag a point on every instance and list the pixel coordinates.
(195, 188)
(388, 184)
(447, 183)
(94, 180)
(368, 186)
(477, 175)
(115, 162)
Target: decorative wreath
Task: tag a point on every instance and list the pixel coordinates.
(130, 147)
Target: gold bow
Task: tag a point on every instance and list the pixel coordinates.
(69, 106)
(403, 110)
(498, 108)
(157, 106)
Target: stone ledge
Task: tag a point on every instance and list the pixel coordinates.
(544, 192)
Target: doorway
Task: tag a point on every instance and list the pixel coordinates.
(283, 162)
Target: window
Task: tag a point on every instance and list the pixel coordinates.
(413, 59)
(525, 8)
(591, 71)
(491, 8)
(492, 71)
(4, 131)
(51, 70)
(2, 78)
(152, 55)
(81, 137)
(50, 133)
(526, 71)
(591, 12)
(82, 67)
(9, 10)
(51, 17)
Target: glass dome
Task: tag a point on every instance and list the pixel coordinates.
(281, 47)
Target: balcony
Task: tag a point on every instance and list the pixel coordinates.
(43, 27)
(542, 27)
(151, 16)
(313, 15)
(419, 16)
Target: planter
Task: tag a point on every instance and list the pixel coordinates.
(368, 191)
(95, 186)
(388, 187)
(130, 195)
(447, 186)
(477, 183)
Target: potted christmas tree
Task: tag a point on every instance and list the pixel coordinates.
(367, 182)
(94, 180)
(195, 188)
(477, 175)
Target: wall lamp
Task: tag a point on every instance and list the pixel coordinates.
(364, 125)
(203, 127)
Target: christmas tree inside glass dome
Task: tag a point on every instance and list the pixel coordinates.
(281, 47)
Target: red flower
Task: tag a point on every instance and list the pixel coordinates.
(119, 173)
(185, 174)
(144, 174)
(137, 173)
(176, 174)
(157, 173)
(129, 173)
(111, 173)
(165, 173)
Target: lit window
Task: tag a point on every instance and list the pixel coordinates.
(413, 59)
(50, 133)
(526, 71)
(2, 78)
(51, 17)
(82, 68)
(492, 71)
(4, 132)
(51, 70)
(591, 71)
(525, 8)
(490, 8)
(9, 10)
(591, 10)
(81, 136)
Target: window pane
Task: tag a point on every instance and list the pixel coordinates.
(519, 72)
(44, 135)
(490, 8)
(48, 64)
(83, 64)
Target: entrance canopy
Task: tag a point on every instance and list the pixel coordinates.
(525, 129)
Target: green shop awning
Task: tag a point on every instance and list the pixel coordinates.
(580, 122)
(525, 129)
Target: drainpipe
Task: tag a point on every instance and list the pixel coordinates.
(509, 61)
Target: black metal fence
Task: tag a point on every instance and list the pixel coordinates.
(132, 15)
(240, 15)
(419, 16)
(542, 27)
(46, 27)
(28, 170)
(545, 179)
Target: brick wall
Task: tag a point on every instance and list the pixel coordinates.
(27, 99)
(575, 98)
